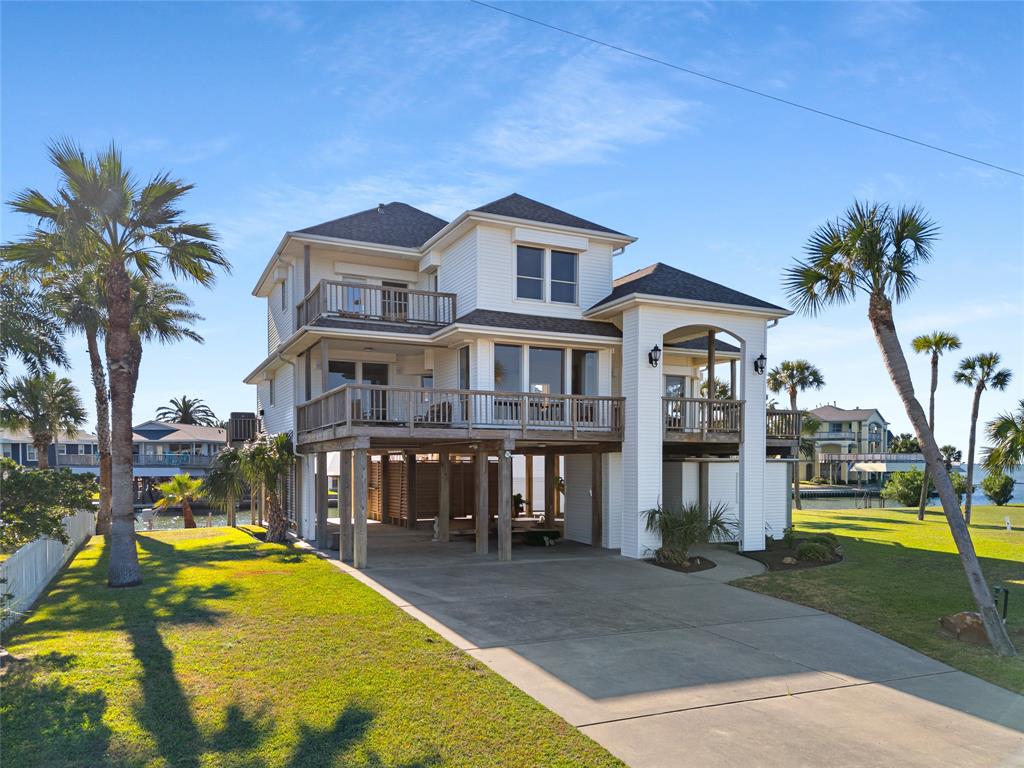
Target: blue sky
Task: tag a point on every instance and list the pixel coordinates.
(285, 115)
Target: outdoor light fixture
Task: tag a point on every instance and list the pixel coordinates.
(760, 363)
(654, 356)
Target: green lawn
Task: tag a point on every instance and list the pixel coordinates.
(900, 575)
(236, 653)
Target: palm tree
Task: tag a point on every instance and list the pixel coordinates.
(905, 443)
(135, 229)
(1006, 431)
(266, 462)
(795, 376)
(934, 344)
(981, 372)
(224, 484)
(180, 490)
(44, 406)
(950, 456)
(874, 249)
(27, 328)
(722, 390)
(187, 410)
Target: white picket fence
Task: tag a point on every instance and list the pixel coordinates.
(29, 569)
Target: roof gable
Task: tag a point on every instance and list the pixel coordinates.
(518, 206)
(662, 280)
(835, 413)
(395, 224)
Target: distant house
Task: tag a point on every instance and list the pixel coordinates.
(17, 445)
(846, 437)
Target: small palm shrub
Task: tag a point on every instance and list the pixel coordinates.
(818, 480)
(812, 550)
(682, 527)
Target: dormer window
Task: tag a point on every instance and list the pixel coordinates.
(534, 266)
(529, 273)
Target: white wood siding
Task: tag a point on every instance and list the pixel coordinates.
(776, 498)
(577, 506)
(457, 273)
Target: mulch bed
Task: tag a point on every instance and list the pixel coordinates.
(777, 550)
(694, 564)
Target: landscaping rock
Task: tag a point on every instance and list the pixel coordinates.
(966, 627)
(789, 560)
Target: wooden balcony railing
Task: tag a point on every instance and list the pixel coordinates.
(699, 416)
(360, 301)
(416, 408)
(138, 460)
(784, 425)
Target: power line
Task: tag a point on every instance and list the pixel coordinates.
(745, 89)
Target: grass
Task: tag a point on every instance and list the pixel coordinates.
(900, 575)
(239, 653)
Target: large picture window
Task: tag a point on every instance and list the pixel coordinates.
(340, 372)
(563, 277)
(584, 372)
(529, 273)
(508, 368)
(547, 371)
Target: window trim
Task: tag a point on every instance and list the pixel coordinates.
(576, 277)
(546, 279)
(543, 279)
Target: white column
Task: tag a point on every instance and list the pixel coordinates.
(752, 449)
(642, 443)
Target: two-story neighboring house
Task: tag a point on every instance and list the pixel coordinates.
(844, 433)
(17, 446)
(415, 358)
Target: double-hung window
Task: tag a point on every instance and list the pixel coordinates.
(529, 272)
(537, 266)
(563, 277)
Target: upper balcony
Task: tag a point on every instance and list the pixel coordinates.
(139, 460)
(339, 300)
(699, 420)
(842, 437)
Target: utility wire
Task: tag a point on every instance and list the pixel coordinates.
(745, 89)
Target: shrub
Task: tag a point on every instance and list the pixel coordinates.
(35, 501)
(813, 551)
(682, 527)
(789, 537)
(905, 487)
(998, 488)
(828, 540)
(818, 480)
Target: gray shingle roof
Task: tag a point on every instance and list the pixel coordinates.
(662, 280)
(391, 224)
(701, 345)
(494, 318)
(519, 207)
(834, 413)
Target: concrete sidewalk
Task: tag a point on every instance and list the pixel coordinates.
(671, 669)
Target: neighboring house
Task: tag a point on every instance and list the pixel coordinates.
(17, 445)
(159, 450)
(845, 437)
(407, 354)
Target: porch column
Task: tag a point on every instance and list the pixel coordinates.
(529, 484)
(320, 491)
(752, 447)
(482, 511)
(732, 379)
(444, 501)
(596, 499)
(550, 468)
(505, 502)
(385, 495)
(410, 496)
(345, 535)
(711, 371)
(359, 459)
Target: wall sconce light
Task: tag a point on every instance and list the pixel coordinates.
(760, 363)
(654, 356)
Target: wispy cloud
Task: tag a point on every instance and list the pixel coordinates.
(285, 15)
(582, 112)
(176, 153)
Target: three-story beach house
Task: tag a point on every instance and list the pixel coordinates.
(415, 361)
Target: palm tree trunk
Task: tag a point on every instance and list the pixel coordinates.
(123, 568)
(186, 511)
(931, 425)
(970, 450)
(796, 467)
(42, 455)
(880, 316)
(277, 523)
(99, 383)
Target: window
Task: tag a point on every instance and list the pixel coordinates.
(508, 368)
(340, 372)
(678, 386)
(529, 273)
(62, 449)
(563, 277)
(30, 453)
(427, 381)
(271, 395)
(584, 372)
(463, 367)
(284, 293)
(5, 450)
(547, 370)
(375, 373)
(835, 426)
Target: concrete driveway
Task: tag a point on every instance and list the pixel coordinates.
(669, 669)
